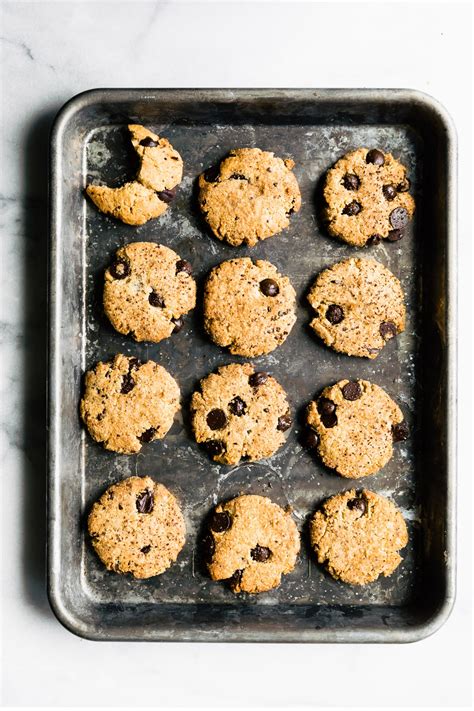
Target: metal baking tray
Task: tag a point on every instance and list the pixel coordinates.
(314, 127)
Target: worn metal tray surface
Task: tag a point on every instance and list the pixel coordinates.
(90, 142)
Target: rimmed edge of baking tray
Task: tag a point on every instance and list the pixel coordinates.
(415, 632)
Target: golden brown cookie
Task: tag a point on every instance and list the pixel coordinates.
(240, 413)
(359, 306)
(249, 197)
(148, 289)
(357, 536)
(148, 196)
(127, 403)
(137, 527)
(367, 198)
(249, 307)
(356, 424)
(251, 543)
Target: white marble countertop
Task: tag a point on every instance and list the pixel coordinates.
(53, 50)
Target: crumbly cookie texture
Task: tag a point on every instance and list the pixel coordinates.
(367, 197)
(249, 307)
(356, 423)
(249, 197)
(148, 288)
(127, 403)
(148, 196)
(137, 527)
(251, 543)
(357, 536)
(359, 306)
(240, 413)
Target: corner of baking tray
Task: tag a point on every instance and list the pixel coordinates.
(67, 617)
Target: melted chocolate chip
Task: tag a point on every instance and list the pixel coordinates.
(156, 300)
(387, 330)
(133, 363)
(216, 419)
(257, 379)
(395, 235)
(284, 422)
(148, 142)
(399, 218)
(148, 435)
(237, 406)
(260, 553)
(208, 547)
(404, 185)
(183, 266)
(310, 439)
(373, 240)
(327, 411)
(128, 384)
(358, 504)
(167, 195)
(145, 502)
(212, 175)
(214, 447)
(334, 314)
(120, 269)
(352, 391)
(353, 208)
(269, 287)
(237, 176)
(351, 181)
(145, 549)
(389, 192)
(375, 156)
(400, 432)
(178, 324)
(236, 578)
(221, 521)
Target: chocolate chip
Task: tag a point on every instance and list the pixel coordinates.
(237, 406)
(352, 391)
(183, 266)
(236, 578)
(359, 504)
(216, 419)
(178, 324)
(221, 521)
(128, 384)
(334, 314)
(351, 181)
(387, 330)
(373, 240)
(133, 363)
(269, 287)
(375, 156)
(310, 438)
(237, 176)
(148, 142)
(399, 218)
(284, 422)
(390, 192)
(145, 549)
(208, 547)
(327, 411)
(156, 300)
(120, 269)
(145, 502)
(257, 379)
(167, 195)
(260, 553)
(148, 435)
(214, 447)
(400, 431)
(290, 211)
(212, 175)
(353, 208)
(395, 235)
(404, 185)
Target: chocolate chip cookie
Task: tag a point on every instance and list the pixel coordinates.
(239, 413)
(148, 196)
(367, 198)
(251, 543)
(127, 403)
(137, 527)
(359, 306)
(249, 307)
(148, 289)
(355, 423)
(357, 536)
(249, 197)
